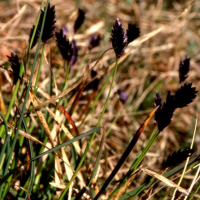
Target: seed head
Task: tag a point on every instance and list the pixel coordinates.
(94, 41)
(15, 65)
(64, 46)
(80, 19)
(185, 95)
(178, 157)
(166, 112)
(133, 32)
(37, 33)
(118, 38)
(49, 25)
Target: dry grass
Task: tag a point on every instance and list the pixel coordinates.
(150, 64)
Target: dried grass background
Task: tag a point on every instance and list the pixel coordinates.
(151, 65)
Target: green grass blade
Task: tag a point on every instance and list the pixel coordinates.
(51, 150)
(67, 143)
(7, 139)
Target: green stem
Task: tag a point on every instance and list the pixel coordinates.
(38, 73)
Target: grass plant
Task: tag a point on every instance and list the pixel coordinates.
(100, 101)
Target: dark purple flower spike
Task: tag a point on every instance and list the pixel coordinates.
(37, 33)
(123, 97)
(64, 46)
(74, 53)
(15, 65)
(166, 112)
(185, 95)
(184, 67)
(49, 25)
(178, 157)
(133, 32)
(80, 19)
(118, 38)
(94, 41)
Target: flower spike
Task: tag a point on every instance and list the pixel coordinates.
(185, 95)
(94, 41)
(166, 112)
(80, 19)
(15, 65)
(64, 46)
(49, 25)
(133, 32)
(118, 38)
(37, 33)
(178, 157)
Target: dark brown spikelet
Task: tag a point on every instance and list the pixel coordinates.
(49, 25)
(185, 95)
(15, 65)
(166, 112)
(177, 157)
(118, 38)
(184, 67)
(37, 33)
(64, 46)
(157, 103)
(80, 19)
(133, 32)
(94, 41)
(74, 53)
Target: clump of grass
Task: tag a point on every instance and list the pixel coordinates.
(50, 142)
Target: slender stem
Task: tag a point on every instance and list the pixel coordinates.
(38, 73)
